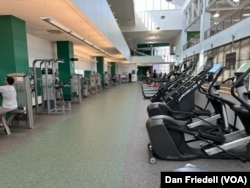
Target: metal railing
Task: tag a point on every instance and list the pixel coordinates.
(235, 17)
(192, 42)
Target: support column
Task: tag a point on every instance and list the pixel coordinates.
(65, 52)
(13, 46)
(113, 68)
(204, 25)
(100, 68)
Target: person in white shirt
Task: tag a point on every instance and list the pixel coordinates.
(9, 97)
(148, 76)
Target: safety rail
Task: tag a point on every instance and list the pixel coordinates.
(192, 42)
(235, 17)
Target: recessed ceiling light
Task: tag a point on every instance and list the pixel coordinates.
(245, 15)
(216, 15)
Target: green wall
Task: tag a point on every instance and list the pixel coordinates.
(13, 46)
(87, 73)
(113, 68)
(145, 45)
(142, 72)
(192, 34)
(146, 52)
(65, 52)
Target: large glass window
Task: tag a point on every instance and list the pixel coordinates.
(149, 5)
(143, 9)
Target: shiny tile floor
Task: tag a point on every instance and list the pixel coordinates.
(84, 148)
(101, 143)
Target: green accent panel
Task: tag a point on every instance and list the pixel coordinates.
(113, 67)
(192, 34)
(100, 68)
(13, 46)
(87, 73)
(146, 52)
(142, 72)
(152, 45)
(65, 52)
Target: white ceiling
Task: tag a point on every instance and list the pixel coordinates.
(124, 11)
(66, 13)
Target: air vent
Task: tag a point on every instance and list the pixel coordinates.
(162, 17)
(54, 31)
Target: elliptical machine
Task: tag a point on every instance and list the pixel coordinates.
(199, 117)
(177, 77)
(168, 138)
(182, 97)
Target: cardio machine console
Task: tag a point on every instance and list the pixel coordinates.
(216, 67)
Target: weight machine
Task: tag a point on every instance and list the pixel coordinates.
(23, 115)
(95, 83)
(84, 87)
(76, 91)
(50, 89)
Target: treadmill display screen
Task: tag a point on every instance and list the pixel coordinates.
(215, 68)
(244, 67)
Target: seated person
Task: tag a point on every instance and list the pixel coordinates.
(9, 97)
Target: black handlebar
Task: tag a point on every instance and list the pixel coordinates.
(240, 78)
(229, 79)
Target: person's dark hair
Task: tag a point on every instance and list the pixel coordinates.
(10, 80)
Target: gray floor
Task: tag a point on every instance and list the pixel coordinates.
(140, 174)
(100, 143)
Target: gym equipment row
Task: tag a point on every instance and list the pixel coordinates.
(43, 91)
(179, 74)
(192, 113)
(171, 139)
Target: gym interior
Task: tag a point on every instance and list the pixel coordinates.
(88, 113)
